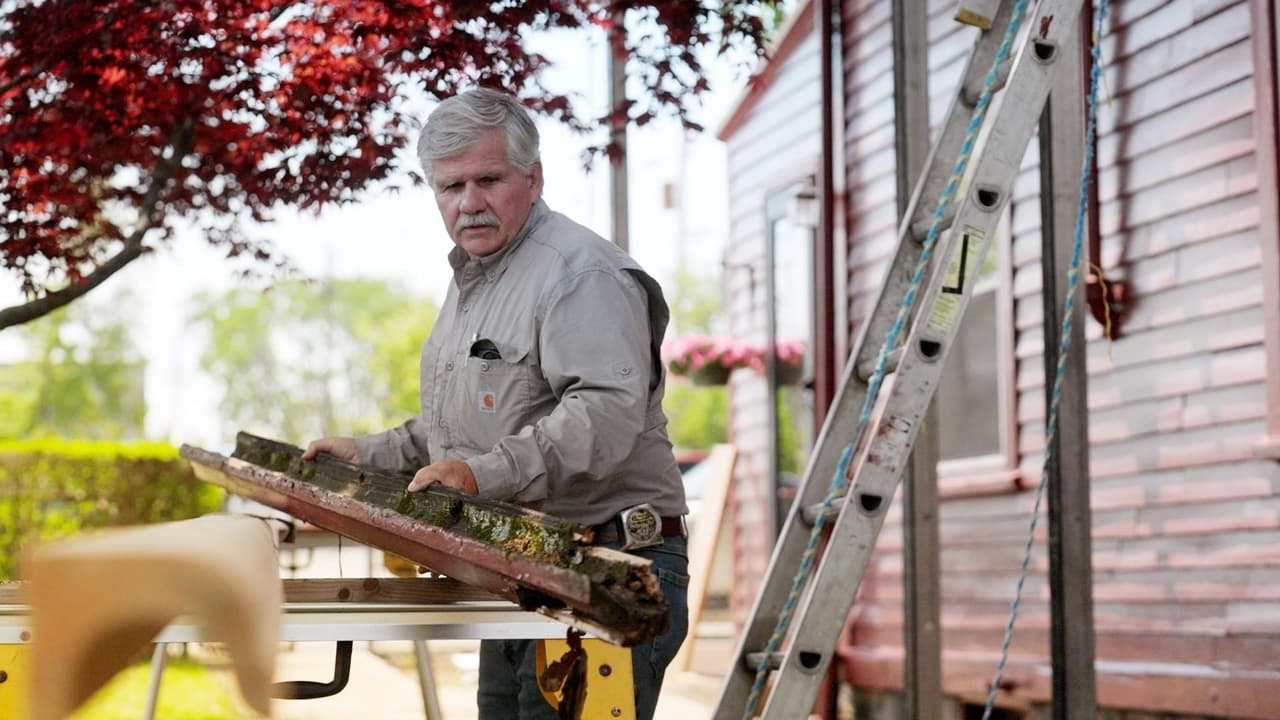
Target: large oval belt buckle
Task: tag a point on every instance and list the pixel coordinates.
(641, 527)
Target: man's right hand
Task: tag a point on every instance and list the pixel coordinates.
(343, 448)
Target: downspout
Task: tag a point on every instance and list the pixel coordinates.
(824, 351)
(824, 365)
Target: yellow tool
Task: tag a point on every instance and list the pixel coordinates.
(399, 566)
(590, 679)
(15, 673)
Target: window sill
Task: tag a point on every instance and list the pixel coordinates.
(980, 484)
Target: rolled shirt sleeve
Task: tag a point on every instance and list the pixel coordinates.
(401, 449)
(595, 355)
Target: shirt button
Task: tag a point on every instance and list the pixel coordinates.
(441, 423)
(466, 307)
(484, 366)
(626, 371)
(448, 365)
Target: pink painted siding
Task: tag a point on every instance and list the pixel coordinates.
(1186, 514)
(773, 140)
(1186, 525)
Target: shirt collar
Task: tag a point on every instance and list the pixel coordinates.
(493, 265)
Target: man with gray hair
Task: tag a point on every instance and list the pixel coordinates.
(541, 382)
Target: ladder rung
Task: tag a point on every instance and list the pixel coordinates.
(978, 13)
(920, 230)
(752, 660)
(970, 93)
(865, 369)
(811, 512)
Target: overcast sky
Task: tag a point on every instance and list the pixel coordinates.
(400, 236)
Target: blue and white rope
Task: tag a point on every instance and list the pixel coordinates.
(840, 478)
(1064, 344)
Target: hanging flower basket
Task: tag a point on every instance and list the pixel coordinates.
(789, 361)
(789, 374)
(711, 360)
(707, 360)
(711, 375)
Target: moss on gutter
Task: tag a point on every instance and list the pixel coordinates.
(495, 524)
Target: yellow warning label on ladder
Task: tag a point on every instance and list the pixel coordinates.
(964, 268)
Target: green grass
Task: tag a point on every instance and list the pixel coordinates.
(188, 691)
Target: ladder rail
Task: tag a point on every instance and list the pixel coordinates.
(1010, 126)
(914, 227)
(842, 419)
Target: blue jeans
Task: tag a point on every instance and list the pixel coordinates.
(509, 687)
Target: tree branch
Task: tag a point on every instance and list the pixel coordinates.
(33, 72)
(180, 144)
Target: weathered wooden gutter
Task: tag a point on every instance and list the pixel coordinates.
(539, 562)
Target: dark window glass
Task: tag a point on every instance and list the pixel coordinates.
(969, 393)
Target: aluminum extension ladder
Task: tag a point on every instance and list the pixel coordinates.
(1020, 90)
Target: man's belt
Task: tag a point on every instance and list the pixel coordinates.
(638, 527)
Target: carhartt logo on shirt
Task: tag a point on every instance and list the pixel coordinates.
(488, 401)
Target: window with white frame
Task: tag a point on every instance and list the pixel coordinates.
(973, 397)
(791, 216)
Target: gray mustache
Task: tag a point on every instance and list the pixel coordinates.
(466, 221)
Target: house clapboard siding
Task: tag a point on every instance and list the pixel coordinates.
(773, 141)
(870, 181)
(1183, 438)
(1186, 516)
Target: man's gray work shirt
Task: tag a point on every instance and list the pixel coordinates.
(567, 417)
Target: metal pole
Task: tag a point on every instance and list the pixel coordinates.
(158, 659)
(1070, 542)
(922, 635)
(427, 681)
(618, 128)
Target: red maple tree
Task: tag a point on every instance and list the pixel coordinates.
(119, 117)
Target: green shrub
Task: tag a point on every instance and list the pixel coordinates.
(698, 415)
(188, 691)
(55, 488)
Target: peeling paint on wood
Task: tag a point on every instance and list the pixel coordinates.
(542, 563)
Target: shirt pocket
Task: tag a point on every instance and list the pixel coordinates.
(492, 399)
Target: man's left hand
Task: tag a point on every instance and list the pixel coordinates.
(454, 473)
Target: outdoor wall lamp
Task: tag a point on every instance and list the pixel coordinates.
(803, 208)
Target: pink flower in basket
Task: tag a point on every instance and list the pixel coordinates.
(790, 352)
(790, 355)
(688, 354)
